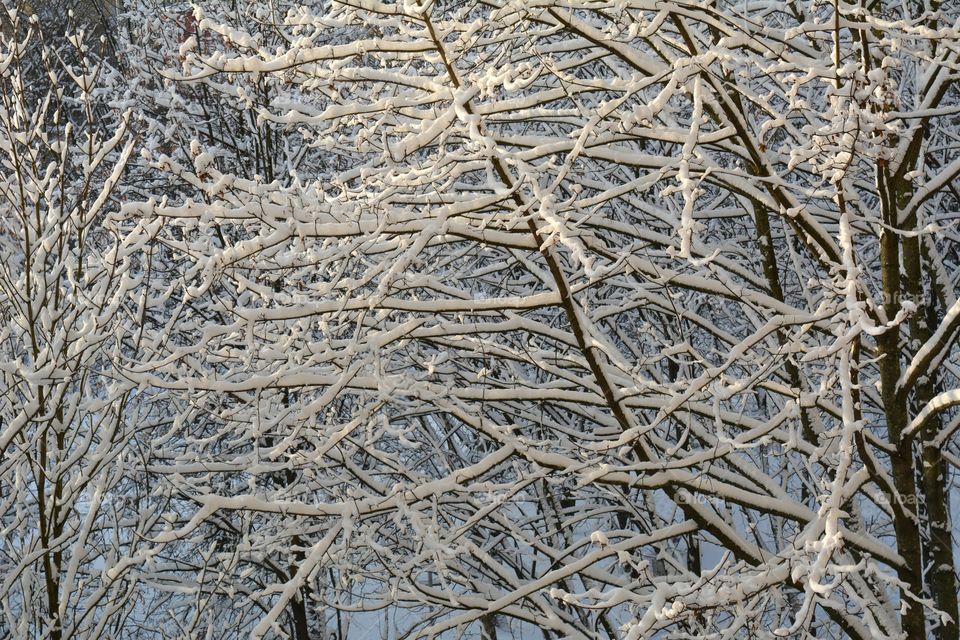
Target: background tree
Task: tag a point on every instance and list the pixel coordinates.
(75, 519)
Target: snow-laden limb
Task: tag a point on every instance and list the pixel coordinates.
(932, 352)
(937, 404)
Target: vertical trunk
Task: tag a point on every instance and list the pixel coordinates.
(489, 627)
(299, 609)
(938, 552)
(298, 604)
(906, 523)
(772, 274)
